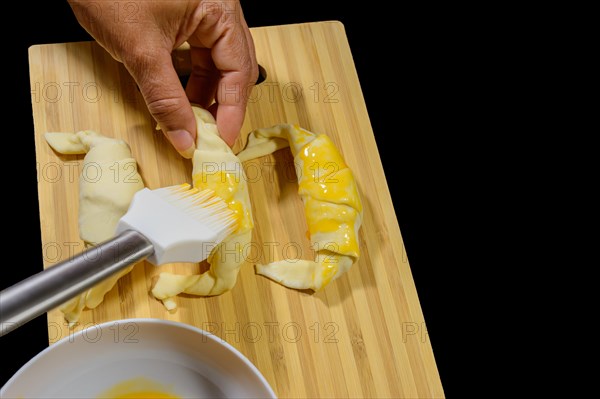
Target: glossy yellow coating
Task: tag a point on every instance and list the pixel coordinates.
(138, 388)
(217, 168)
(226, 185)
(332, 205)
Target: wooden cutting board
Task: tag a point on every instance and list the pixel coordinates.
(362, 336)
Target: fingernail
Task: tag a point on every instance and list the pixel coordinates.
(189, 153)
(183, 142)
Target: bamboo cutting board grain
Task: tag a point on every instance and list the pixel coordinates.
(362, 336)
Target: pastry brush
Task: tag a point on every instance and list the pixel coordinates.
(171, 224)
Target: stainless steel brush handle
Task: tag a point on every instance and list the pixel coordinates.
(52, 287)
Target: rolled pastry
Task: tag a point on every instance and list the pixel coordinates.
(107, 183)
(215, 167)
(331, 202)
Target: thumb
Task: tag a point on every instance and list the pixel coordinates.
(165, 98)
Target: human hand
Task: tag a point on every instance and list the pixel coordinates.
(143, 34)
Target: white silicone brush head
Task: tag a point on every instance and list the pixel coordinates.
(183, 223)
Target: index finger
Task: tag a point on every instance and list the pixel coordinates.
(235, 58)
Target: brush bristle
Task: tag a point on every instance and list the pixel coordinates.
(204, 206)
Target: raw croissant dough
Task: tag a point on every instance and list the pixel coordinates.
(108, 181)
(217, 168)
(326, 185)
(331, 202)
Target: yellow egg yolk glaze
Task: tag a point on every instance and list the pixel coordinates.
(137, 388)
(226, 185)
(330, 268)
(324, 217)
(330, 193)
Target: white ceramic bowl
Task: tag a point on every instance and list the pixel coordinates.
(189, 361)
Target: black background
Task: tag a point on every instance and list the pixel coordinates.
(404, 61)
